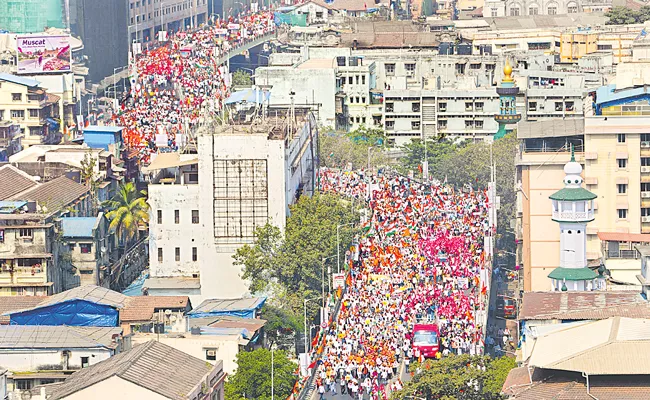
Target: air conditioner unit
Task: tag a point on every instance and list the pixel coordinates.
(211, 353)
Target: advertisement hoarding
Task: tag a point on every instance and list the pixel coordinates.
(338, 280)
(43, 54)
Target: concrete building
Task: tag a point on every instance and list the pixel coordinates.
(248, 173)
(23, 101)
(146, 19)
(516, 8)
(89, 244)
(36, 355)
(10, 139)
(151, 370)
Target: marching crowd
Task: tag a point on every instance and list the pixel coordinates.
(420, 258)
(175, 81)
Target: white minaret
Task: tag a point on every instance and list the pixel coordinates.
(573, 208)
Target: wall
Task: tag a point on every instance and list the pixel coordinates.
(170, 235)
(114, 388)
(7, 105)
(32, 360)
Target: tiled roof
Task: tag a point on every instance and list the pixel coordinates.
(13, 181)
(572, 194)
(78, 227)
(15, 303)
(582, 305)
(572, 274)
(54, 194)
(141, 308)
(56, 337)
(602, 388)
(152, 365)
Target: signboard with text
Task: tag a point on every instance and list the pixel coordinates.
(338, 280)
(43, 54)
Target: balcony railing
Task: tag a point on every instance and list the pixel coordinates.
(572, 216)
(627, 254)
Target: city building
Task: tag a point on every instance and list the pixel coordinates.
(37, 355)
(249, 171)
(25, 102)
(10, 139)
(507, 92)
(151, 370)
(31, 256)
(146, 19)
(90, 245)
(29, 16)
(159, 314)
(516, 8)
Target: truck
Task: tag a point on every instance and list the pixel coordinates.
(506, 307)
(426, 338)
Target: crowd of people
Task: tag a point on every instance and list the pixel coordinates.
(420, 258)
(175, 81)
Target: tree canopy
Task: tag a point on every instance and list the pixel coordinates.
(340, 149)
(252, 379)
(624, 15)
(461, 377)
(127, 210)
(241, 78)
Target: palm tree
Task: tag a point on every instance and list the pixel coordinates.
(127, 211)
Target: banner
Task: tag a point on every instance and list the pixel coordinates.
(221, 31)
(338, 280)
(43, 54)
(233, 27)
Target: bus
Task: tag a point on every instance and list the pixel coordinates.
(426, 338)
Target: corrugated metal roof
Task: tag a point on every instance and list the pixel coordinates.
(78, 227)
(217, 305)
(56, 337)
(152, 365)
(615, 346)
(19, 80)
(91, 293)
(555, 127)
(582, 305)
(54, 194)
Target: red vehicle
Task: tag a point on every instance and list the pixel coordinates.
(426, 339)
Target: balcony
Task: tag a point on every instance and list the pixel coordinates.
(627, 254)
(572, 215)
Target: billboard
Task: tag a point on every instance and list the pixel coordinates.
(43, 54)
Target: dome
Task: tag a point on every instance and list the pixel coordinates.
(507, 72)
(573, 168)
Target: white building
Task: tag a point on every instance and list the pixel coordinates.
(248, 174)
(516, 8)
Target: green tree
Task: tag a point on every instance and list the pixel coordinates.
(89, 178)
(437, 151)
(128, 211)
(339, 149)
(459, 378)
(252, 379)
(625, 15)
(241, 78)
(281, 322)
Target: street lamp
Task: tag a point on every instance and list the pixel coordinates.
(322, 277)
(338, 250)
(306, 332)
(115, 70)
(273, 348)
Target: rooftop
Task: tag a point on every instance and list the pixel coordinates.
(582, 305)
(56, 337)
(54, 194)
(16, 303)
(624, 343)
(78, 227)
(229, 305)
(14, 181)
(572, 274)
(90, 129)
(624, 237)
(19, 80)
(572, 194)
(90, 293)
(152, 365)
(142, 308)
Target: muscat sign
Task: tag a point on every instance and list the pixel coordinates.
(43, 54)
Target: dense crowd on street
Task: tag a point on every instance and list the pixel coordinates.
(175, 81)
(420, 259)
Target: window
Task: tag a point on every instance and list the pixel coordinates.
(478, 124)
(84, 362)
(443, 107)
(622, 162)
(469, 124)
(622, 188)
(356, 79)
(532, 106)
(389, 107)
(478, 106)
(494, 12)
(475, 66)
(533, 11)
(177, 216)
(211, 354)
(415, 125)
(442, 124)
(390, 124)
(552, 10)
(645, 212)
(26, 233)
(363, 100)
(159, 217)
(415, 107)
(85, 248)
(177, 254)
(350, 80)
(23, 384)
(622, 213)
(645, 187)
(558, 106)
(195, 216)
(363, 79)
(572, 9)
(410, 69)
(469, 106)
(160, 254)
(514, 12)
(18, 114)
(33, 113)
(568, 106)
(620, 138)
(195, 255)
(319, 14)
(357, 100)
(16, 97)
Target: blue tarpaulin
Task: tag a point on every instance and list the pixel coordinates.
(249, 96)
(72, 313)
